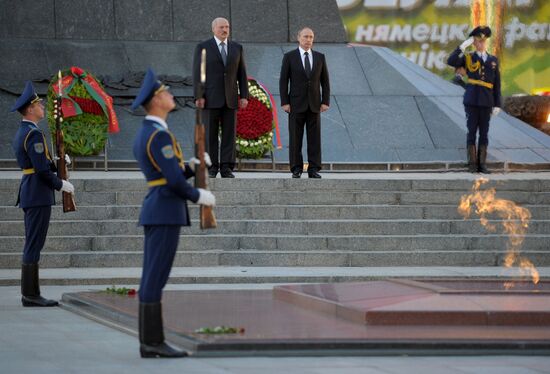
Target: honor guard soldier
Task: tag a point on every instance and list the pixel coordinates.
(482, 96)
(164, 208)
(36, 192)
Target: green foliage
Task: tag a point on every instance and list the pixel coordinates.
(220, 330)
(84, 134)
(255, 148)
(120, 290)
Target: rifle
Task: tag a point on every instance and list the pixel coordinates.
(62, 172)
(208, 220)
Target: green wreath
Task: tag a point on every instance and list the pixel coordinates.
(84, 134)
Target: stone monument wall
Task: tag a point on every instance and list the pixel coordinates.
(261, 21)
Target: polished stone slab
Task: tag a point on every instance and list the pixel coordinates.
(317, 323)
(450, 302)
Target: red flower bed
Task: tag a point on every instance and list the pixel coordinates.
(254, 121)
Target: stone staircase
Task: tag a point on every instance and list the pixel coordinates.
(400, 221)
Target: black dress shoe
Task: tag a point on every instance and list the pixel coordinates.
(227, 174)
(212, 173)
(296, 174)
(314, 174)
(161, 350)
(37, 301)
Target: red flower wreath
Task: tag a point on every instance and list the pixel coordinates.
(254, 121)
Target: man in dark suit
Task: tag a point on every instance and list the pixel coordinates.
(36, 192)
(482, 97)
(226, 81)
(307, 72)
(164, 209)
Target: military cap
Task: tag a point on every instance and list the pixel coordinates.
(27, 98)
(149, 88)
(482, 32)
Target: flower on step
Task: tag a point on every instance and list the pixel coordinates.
(220, 330)
(121, 291)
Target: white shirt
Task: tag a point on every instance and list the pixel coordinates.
(483, 55)
(218, 42)
(310, 56)
(158, 120)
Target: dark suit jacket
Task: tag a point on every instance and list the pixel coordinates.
(304, 92)
(488, 71)
(221, 81)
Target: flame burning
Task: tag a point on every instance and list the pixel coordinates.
(515, 222)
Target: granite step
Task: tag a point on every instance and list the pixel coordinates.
(214, 275)
(396, 183)
(253, 258)
(286, 227)
(338, 197)
(443, 242)
(275, 212)
(283, 222)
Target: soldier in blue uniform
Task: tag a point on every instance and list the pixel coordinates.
(36, 192)
(482, 96)
(164, 208)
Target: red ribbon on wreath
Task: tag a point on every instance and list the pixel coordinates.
(70, 107)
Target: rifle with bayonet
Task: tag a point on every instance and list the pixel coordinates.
(62, 172)
(207, 218)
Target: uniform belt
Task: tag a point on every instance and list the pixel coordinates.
(28, 171)
(157, 182)
(480, 83)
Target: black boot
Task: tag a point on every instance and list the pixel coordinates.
(151, 333)
(30, 289)
(472, 158)
(482, 167)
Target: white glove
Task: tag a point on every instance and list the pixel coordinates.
(466, 43)
(67, 187)
(207, 159)
(195, 161)
(206, 198)
(496, 111)
(67, 159)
